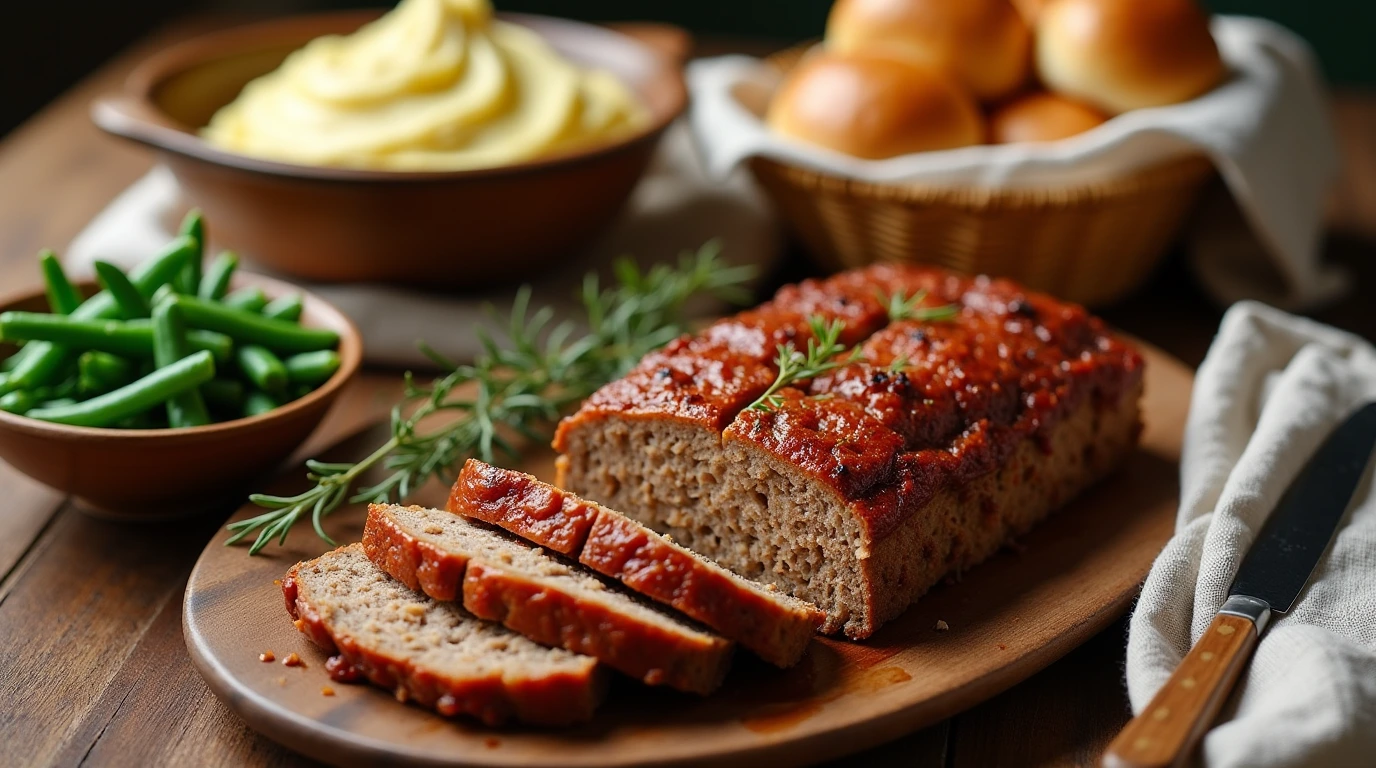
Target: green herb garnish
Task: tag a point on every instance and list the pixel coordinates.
(909, 308)
(520, 388)
(824, 353)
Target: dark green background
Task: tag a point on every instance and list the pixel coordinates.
(1341, 30)
(49, 45)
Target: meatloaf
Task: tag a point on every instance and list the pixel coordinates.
(435, 654)
(860, 489)
(775, 626)
(547, 599)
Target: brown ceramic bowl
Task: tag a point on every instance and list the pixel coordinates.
(452, 228)
(159, 473)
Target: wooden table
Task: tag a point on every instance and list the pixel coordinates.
(94, 668)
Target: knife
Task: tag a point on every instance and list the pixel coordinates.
(1270, 579)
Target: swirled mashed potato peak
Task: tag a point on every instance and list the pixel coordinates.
(433, 85)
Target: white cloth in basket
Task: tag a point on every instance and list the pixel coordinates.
(1267, 130)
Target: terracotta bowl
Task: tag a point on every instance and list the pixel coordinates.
(160, 473)
(449, 228)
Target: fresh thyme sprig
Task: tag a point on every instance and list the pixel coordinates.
(824, 353)
(517, 389)
(910, 308)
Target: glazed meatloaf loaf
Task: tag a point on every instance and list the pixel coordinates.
(545, 598)
(775, 626)
(861, 488)
(435, 654)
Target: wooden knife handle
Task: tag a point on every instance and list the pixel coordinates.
(1167, 731)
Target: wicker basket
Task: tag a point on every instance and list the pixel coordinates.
(1091, 244)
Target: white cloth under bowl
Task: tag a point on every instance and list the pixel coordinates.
(1270, 390)
(1267, 130)
(674, 208)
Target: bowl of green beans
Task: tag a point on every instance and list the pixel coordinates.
(157, 391)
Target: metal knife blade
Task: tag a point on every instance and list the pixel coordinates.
(1296, 534)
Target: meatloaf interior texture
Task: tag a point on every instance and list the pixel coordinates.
(864, 486)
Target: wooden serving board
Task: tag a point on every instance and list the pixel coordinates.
(1007, 619)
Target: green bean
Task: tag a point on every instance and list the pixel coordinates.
(127, 298)
(189, 279)
(10, 362)
(135, 398)
(224, 394)
(258, 403)
(162, 294)
(129, 338)
(216, 281)
(262, 368)
(63, 297)
(58, 402)
(147, 277)
(185, 409)
(43, 361)
(299, 391)
(277, 335)
(20, 401)
(251, 299)
(312, 368)
(35, 369)
(100, 372)
(285, 308)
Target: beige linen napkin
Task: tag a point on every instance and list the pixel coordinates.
(1271, 389)
(675, 208)
(1267, 130)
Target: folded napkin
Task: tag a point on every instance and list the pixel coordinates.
(675, 208)
(1267, 130)
(1270, 390)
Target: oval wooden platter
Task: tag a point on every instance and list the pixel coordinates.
(1006, 619)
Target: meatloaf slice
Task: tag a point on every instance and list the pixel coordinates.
(864, 487)
(433, 653)
(545, 598)
(775, 626)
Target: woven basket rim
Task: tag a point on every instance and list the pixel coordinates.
(1184, 170)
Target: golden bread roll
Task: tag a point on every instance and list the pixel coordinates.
(874, 107)
(1121, 55)
(984, 44)
(1041, 116)
(1029, 9)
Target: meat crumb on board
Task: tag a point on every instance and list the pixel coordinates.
(941, 625)
(293, 660)
(266, 656)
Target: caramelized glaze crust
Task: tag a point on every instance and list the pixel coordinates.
(493, 697)
(544, 600)
(774, 626)
(930, 403)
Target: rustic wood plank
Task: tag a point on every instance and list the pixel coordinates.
(157, 686)
(928, 748)
(89, 613)
(1064, 716)
(71, 618)
(28, 508)
(83, 626)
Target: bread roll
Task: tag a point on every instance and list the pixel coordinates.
(1127, 54)
(984, 44)
(1041, 116)
(1029, 9)
(874, 107)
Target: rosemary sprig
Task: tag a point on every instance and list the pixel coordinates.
(518, 389)
(824, 353)
(910, 308)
